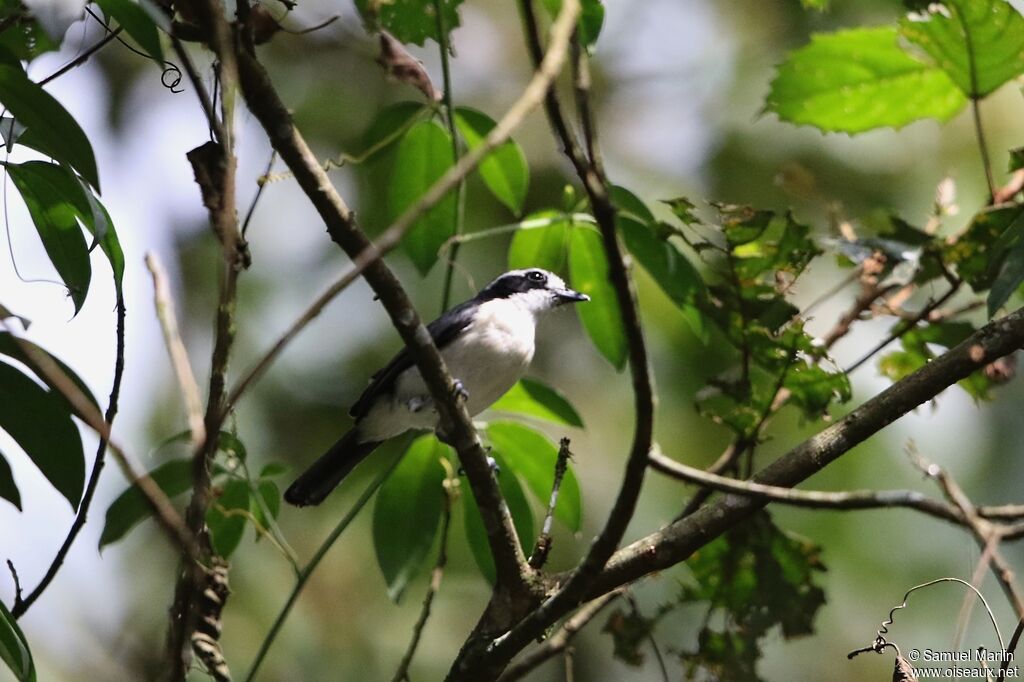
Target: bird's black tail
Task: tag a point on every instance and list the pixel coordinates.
(319, 480)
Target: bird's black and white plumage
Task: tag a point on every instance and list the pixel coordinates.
(487, 343)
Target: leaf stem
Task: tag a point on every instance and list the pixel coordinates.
(449, 114)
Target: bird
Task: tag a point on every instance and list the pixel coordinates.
(487, 343)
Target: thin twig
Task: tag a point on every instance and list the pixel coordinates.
(541, 549)
(20, 605)
(17, 586)
(259, 193)
(164, 304)
(559, 641)
(84, 57)
(436, 574)
(813, 499)
(984, 531)
(905, 326)
(308, 569)
(447, 104)
(1010, 648)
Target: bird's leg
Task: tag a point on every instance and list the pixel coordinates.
(459, 391)
(491, 462)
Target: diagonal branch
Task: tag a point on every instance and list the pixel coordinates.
(678, 540)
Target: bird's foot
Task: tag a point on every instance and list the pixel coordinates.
(459, 391)
(491, 463)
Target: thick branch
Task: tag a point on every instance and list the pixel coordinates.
(677, 541)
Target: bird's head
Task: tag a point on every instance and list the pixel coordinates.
(535, 289)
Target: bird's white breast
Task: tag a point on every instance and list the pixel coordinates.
(488, 357)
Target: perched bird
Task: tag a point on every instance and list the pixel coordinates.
(487, 343)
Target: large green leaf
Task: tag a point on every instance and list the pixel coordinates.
(14, 649)
(540, 247)
(39, 422)
(381, 135)
(97, 220)
(227, 528)
(859, 79)
(1008, 278)
(25, 39)
(601, 317)
(8, 488)
(519, 507)
(672, 271)
(535, 399)
(407, 513)
(532, 456)
(15, 348)
(174, 477)
(504, 170)
(137, 22)
(49, 127)
(56, 216)
(411, 21)
(979, 43)
(423, 156)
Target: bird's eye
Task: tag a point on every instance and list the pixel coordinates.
(536, 276)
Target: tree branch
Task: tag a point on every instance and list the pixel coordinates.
(677, 541)
(557, 643)
(480, 659)
(164, 305)
(22, 605)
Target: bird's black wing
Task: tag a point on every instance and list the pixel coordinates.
(443, 331)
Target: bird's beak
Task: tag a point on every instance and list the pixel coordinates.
(570, 296)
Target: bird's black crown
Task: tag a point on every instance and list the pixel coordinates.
(515, 282)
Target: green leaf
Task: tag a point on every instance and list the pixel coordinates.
(226, 528)
(25, 40)
(504, 171)
(14, 649)
(601, 317)
(590, 21)
(1016, 159)
(407, 513)
(383, 131)
(1008, 279)
(683, 209)
(49, 127)
(674, 274)
(44, 187)
(410, 21)
(522, 518)
(540, 247)
(274, 469)
(14, 348)
(8, 488)
(859, 79)
(423, 156)
(174, 477)
(977, 249)
(137, 22)
(979, 43)
(39, 422)
(754, 578)
(631, 205)
(532, 456)
(97, 220)
(535, 399)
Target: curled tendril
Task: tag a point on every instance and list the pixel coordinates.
(880, 643)
(171, 77)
